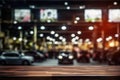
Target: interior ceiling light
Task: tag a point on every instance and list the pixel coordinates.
(115, 3)
(79, 32)
(77, 18)
(52, 32)
(19, 27)
(56, 42)
(25, 40)
(31, 32)
(49, 21)
(20, 39)
(48, 37)
(99, 39)
(63, 27)
(87, 40)
(63, 40)
(72, 35)
(65, 3)
(73, 40)
(60, 37)
(14, 38)
(56, 35)
(42, 27)
(90, 27)
(15, 22)
(32, 6)
(81, 40)
(77, 37)
(41, 35)
(75, 22)
(116, 35)
(68, 7)
(109, 38)
(82, 6)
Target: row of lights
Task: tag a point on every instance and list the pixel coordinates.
(83, 6)
(66, 4)
(78, 32)
(62, 27)
(108, 38)
(54, 40)
(68, 7)
(73, 40)
(43, 27)
(76, 20)
(72, 35)
(20, 39)
(57, 35)
(87, 40)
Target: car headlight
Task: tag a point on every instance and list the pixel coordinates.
(70, 57)
(60, 57)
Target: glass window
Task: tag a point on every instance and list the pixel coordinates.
(11, 55)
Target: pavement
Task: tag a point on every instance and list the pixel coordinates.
(54, 62)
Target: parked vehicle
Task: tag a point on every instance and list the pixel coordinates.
(1, 52)
(83, 56)
(65, 58)
(53, 53)
(96, 56)
(114, 58)
(15, 58)
(36, 55)
(46, 55)
(100, 56)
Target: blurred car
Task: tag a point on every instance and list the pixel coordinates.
(1, 52)
(53, 53)
(15, 58)
(96, 56)
(114, 58)
(36, 55)
(83, 56)
(65, 58)
(100, 56)
(44, 53)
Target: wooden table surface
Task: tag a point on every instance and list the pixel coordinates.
(26, 71)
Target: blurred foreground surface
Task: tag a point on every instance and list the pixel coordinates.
(60, 72)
